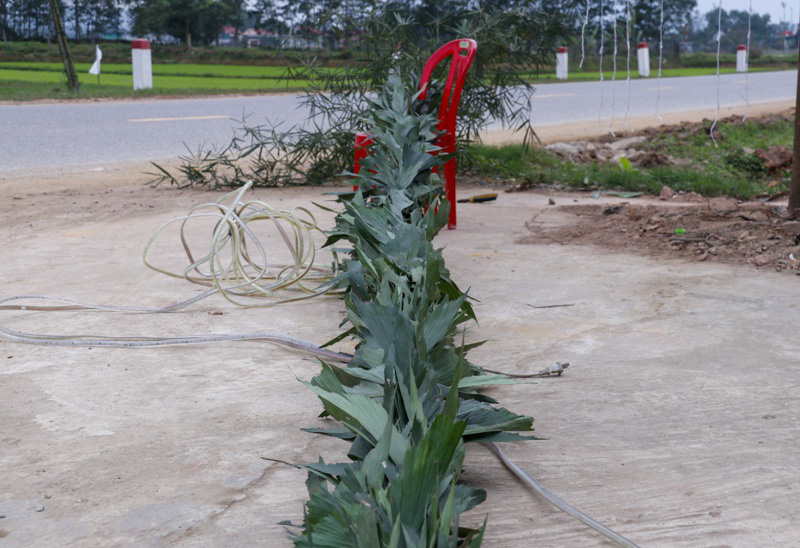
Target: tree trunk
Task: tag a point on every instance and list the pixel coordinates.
(76, 8)
(188, 38)
(794, 190)
(66, 57)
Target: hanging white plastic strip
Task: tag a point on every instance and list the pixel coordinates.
(747, 66)
(660, 58)
(583, 34)
(628, 51)
(614, 76)
(719, 41)
(602, 49)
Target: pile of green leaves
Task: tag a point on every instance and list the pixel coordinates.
(407, 402)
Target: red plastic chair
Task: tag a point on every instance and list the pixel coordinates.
(462, 53)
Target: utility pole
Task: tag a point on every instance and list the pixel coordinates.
(784, 25)
(794, 190)
(66, 57)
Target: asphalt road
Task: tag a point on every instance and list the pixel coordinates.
(64, 135)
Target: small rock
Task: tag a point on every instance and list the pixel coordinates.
(775, 157)
(580, 145)
(792, 228)
(563, 149)
(40, 508)
(762, 260)
(47, 495)
(666, 193)
(622, 144)
(2, 515)
(604, 155)
(551, 201)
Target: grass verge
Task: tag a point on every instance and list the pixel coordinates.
(20, 90)
(730, 170)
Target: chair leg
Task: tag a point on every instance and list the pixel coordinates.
(362, 143)
(450, 191)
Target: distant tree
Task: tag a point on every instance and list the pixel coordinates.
(647, 14)
(92, 18)
(4, 28)
(734, 30)
(267, 14)
(189, 21)
(26, 19)
(645, 23)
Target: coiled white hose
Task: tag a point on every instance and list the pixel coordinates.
(228, 268)
(233, 271)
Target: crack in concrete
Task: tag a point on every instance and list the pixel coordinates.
(244, 491)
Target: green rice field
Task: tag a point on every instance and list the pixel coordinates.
(20, 80)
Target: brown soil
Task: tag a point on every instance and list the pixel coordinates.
(763, 116)
(718, 230)
(637, 125)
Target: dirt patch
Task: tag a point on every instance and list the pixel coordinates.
(719, 231)
(636, 124)
(608, 148)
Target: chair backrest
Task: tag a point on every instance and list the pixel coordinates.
(462, 53)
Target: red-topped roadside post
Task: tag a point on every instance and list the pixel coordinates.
(142, 64)
(643, 59)
(741, 58)
(562, 63)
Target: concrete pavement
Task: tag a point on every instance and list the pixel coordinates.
(676, 424)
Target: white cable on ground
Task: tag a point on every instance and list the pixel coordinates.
(142, 342)
(229, 268)
(557, 502)
(583, 35)
(719, 41)
(660, 59)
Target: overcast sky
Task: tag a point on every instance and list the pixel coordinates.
(773, 7)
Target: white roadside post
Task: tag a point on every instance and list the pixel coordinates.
(643, 59)
(142, 64)
(741, 58)
(562, 59)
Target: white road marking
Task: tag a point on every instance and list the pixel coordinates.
(549, 95)
(663, 88)
(180, 119)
